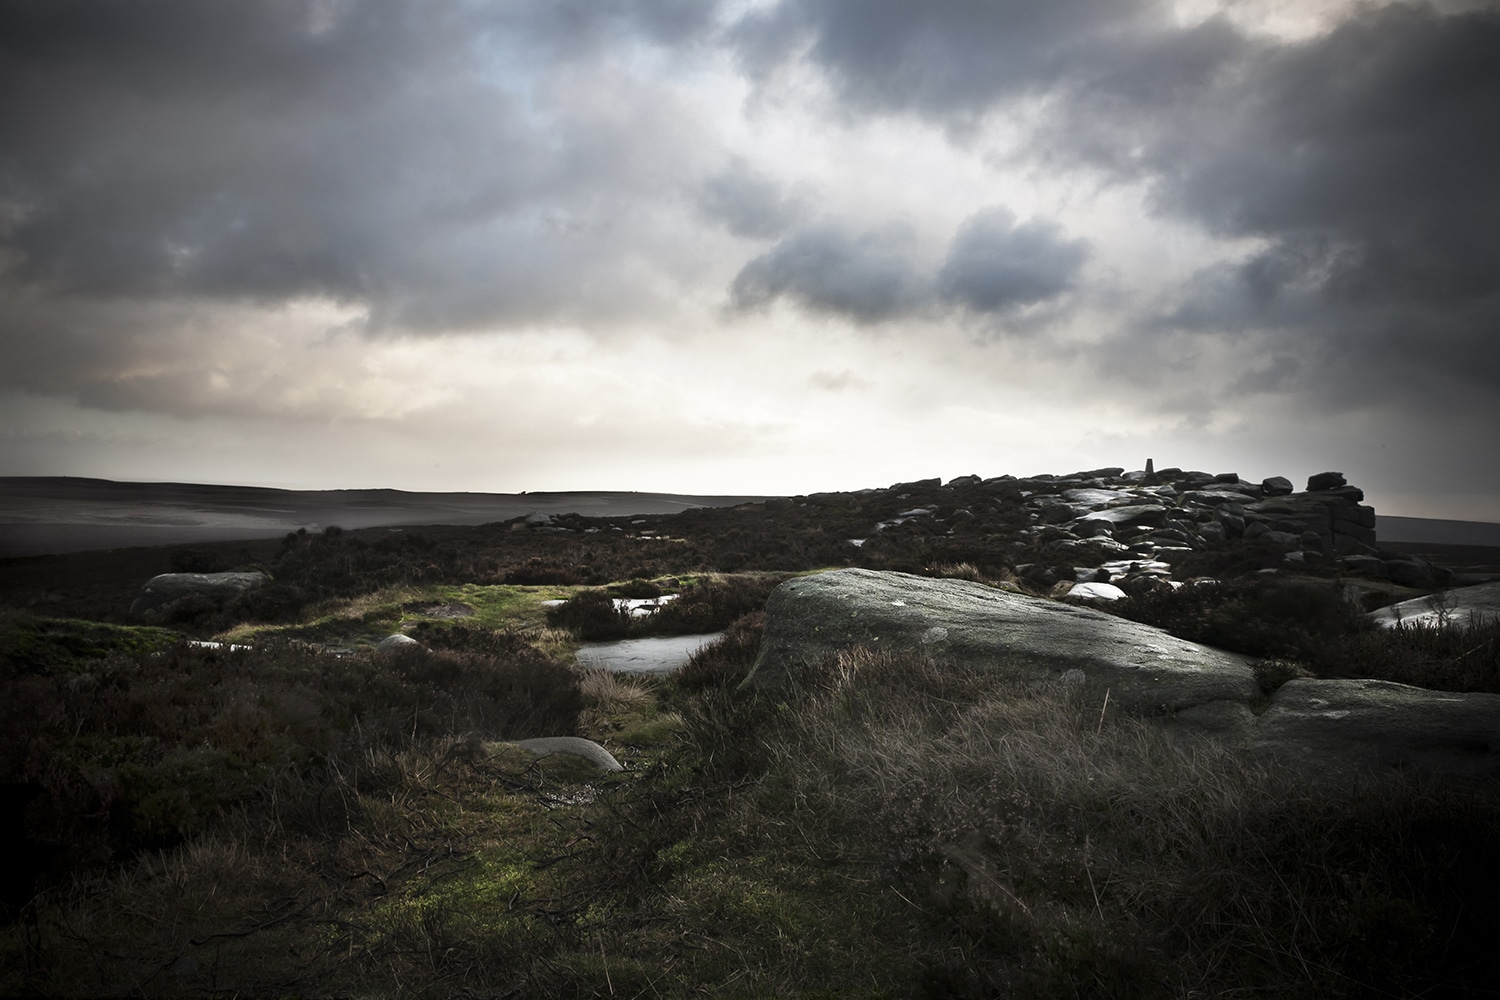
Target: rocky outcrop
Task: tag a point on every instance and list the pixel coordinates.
(1461, 605)
(166, 589)
(1124, 522)
(1325, 726)
(970, 624)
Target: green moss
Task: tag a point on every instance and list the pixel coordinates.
(368, 618)
(61, 645)
(651, 731)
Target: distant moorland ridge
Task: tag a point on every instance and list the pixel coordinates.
(42, 515)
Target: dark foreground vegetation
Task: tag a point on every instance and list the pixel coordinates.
(283, 821)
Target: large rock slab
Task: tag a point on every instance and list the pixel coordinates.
(574, 746)
(165, 588)
(1338, 727)
(1460, 605)
(812, 617)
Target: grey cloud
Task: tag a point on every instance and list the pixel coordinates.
(1366, 162)
(748, 204)
(1363, 160)
(440, 162)
(1368, 152)
(839, 381)
(947, 58)
(869, 277)
(994, 265)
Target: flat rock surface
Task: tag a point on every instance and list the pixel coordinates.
(958, 621)
(1379, 725)
(1460, 605)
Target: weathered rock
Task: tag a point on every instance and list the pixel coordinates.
(1096, 499)
(1152, 514)
(1373, 565)
(1095, 590)
(1332, 728)
(1375, 725)
(1409, 572)
(1217, 498)
(956, 621)
(1346, 545)
(166, 588)
(575, 746)
(1276, 486)
(1326, 481)
(397, 643)
(1463, 604)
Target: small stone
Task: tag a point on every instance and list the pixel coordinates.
(1096, 591)
(397, 643)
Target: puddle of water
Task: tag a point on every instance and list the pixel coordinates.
(636, 607)
(651, 655)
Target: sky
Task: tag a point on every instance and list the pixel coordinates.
(742, 247)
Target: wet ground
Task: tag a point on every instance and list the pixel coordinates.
(651, 655)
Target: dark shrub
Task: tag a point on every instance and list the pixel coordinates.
(197, 561)
(536, 573)
(711, 605)
(1268, 618)
(724, 663)
(591, 615)
(129, 752)
(636, 589)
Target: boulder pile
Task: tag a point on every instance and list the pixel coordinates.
(1129, 529)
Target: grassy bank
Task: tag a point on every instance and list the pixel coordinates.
(900, 831)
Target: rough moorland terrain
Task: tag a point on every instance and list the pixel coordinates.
(313, 814)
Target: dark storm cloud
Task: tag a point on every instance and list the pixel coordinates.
(993, 266)
(944, 58)
(439, 162)
(868, 277)
(747, 204)
(1367, 163)
(1364, 160)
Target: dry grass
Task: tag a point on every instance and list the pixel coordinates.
(898, 829)
(1054, 851)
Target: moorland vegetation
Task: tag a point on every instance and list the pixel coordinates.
(307, 816)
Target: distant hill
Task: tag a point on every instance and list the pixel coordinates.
(1434, 531)
(55, 515)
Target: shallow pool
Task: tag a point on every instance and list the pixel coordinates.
(652, 655)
